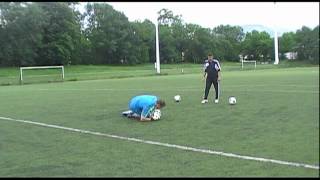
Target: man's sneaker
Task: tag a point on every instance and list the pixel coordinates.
(204, 101)
(216, 101)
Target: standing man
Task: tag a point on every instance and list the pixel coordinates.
(212, 75)
(141, 107)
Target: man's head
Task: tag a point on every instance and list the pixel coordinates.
(160, 104)
(210, 56)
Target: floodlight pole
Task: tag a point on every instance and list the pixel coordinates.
(157, 49)
(276, 54)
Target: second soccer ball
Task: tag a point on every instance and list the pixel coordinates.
(232, 100)
(177, 98)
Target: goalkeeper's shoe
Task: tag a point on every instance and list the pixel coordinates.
(128, 113)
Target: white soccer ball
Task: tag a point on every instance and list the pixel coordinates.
(177, 98)
(156, 114)
(232, 100)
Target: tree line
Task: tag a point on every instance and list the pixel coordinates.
(56, 33)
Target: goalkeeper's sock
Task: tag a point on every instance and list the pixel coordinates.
(133, 115)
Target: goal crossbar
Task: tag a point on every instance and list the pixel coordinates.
(41, 67)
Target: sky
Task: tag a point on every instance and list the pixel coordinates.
(282, 16)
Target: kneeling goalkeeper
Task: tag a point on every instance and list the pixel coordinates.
(141, 107)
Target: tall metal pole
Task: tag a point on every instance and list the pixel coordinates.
(276, 54)
(157, 49)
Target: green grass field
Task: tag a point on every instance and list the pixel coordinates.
(276, 117)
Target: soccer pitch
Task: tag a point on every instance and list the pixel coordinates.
(276, 117)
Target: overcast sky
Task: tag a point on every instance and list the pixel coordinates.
(281, 15)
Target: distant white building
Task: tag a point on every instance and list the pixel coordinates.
(291, 55)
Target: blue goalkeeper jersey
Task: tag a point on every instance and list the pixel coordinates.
(143, 104)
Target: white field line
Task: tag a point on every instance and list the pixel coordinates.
(169, 145)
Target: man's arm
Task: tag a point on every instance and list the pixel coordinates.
(143, 119)
(146, 113)
(204, 76)
(205, 70)
(218, 68)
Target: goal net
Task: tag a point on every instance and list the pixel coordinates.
(41, 74)
(248, 64)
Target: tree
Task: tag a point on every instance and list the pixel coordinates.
(143, 41)
(61, 33)
(167, 47)
(287, 42)
(168, 26)
(199, 43)
(180, 34)
(52, 33)
(109, 33)
(308, 44)
(21, 33)
(315, 45)
(257, 46)
(229, 38)
(166, 17)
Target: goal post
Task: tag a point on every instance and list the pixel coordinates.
(40, 67)
(248, 61)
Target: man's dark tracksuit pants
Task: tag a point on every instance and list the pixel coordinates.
(209, 82)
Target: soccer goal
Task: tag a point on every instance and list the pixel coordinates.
(248, 61)
(38, 74)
